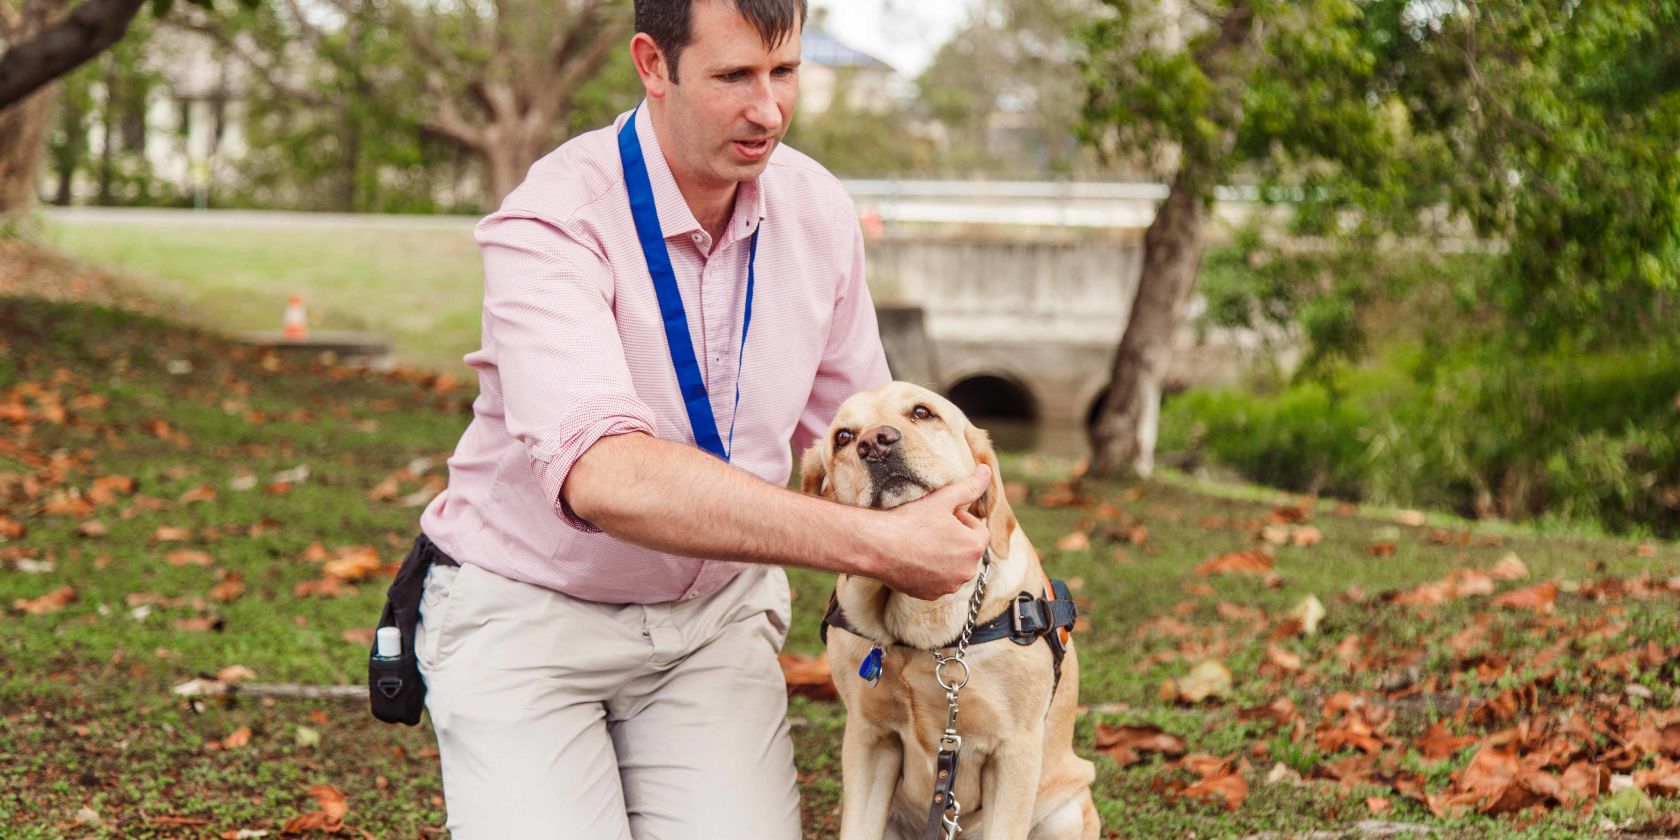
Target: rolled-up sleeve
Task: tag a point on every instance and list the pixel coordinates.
(548, 315)
(853, 359)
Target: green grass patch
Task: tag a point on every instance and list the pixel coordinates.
(419, 281)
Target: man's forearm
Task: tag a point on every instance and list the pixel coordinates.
(677, 499)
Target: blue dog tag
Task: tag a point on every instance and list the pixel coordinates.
(870, 670)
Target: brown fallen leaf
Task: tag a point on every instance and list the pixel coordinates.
(11, 529)
(352, 563)
(51, 602)
(1437, 743)
(1253, 562)
(171, 533)
(1306, 535)
(808, 675)
(385, 490)
(1229, 790)
(197, 624)
(326, 588)
(1413, 518)
(229, 588)
(329, 819)
(1076, 541)
(189, 557)
(201, 493)
(1540, 599)
(238, 738)
(1509, 567)
(235, 673)
(1209, 679)
(93, 529)
(1378, 805)
(1283, 659)
(1126, 743)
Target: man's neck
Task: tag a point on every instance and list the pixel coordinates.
(712, 202)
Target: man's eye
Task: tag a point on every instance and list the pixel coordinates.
(734, 76)
(843, 437)
(921, 412)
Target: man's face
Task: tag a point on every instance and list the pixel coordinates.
(734, 99)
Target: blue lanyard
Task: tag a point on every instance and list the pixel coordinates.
(692, 385)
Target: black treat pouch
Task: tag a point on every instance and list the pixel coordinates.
(396, 692)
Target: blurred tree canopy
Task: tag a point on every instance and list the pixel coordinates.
(378, 90)
(1542, 134)
(1010, 62)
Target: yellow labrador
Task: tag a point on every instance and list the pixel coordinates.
(1018, 777)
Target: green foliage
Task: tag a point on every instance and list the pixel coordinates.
(859, 142)
(1585, 439)
(1277, 86)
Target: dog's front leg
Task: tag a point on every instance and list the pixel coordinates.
(870, 759)
(1009, 786)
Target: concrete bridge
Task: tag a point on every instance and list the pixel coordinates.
(1023, 330)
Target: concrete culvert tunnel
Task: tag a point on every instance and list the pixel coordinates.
(1000, 405)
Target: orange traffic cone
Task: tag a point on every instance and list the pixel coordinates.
(295, 326)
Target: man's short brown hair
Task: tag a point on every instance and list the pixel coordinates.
(668, 23)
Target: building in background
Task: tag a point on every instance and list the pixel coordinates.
(830, 68)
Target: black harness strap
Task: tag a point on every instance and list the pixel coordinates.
(1025, 621)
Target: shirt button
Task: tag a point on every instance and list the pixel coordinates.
(689, 596)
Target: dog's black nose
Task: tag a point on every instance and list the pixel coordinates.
(877, 443)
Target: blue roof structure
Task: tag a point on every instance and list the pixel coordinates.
(819, 47)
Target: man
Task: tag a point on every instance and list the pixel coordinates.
(602, 663)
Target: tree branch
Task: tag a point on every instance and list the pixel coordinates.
(448, 125)
(267, 73)
(90, 28)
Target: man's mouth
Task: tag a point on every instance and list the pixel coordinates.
(753, 149)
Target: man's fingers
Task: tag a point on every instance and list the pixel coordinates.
(968, 519)
(959, 493)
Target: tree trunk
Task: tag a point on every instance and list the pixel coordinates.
(1124, 432)
(1123, 436)
(23, 145)
(108, 138)
(71, 121)
(508, 153)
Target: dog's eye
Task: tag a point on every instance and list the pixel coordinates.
(843, 437)
(921, 412)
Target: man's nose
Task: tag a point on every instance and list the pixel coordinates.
(877, 443)
(762, 110)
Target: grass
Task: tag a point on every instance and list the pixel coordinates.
(90, 730)
(419, 282)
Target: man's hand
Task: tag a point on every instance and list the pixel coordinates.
(934, 544)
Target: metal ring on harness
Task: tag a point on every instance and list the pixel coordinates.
(939, 674)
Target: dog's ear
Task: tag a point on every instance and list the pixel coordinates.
(993, 505)
(813, 472)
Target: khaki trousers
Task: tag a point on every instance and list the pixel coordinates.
(562, 718)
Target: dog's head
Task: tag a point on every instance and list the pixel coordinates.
(898, 443)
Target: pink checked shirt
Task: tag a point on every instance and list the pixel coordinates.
(574, 350)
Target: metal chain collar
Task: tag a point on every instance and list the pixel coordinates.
(950, 739)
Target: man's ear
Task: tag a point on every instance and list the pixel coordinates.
(992, 505)
(813, 472)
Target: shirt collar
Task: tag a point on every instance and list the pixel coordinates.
(675, 219)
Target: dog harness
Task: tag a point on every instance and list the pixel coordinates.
(1027, 620)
